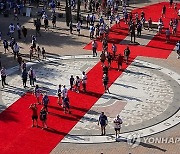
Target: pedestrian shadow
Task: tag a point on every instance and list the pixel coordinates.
(14, 90)
(125, 86)
(137, 73)
(135, 143)
(120, 97)
(55, 107)
(74, 137)
(52, 130)
(94, 94)
(142, 66)
(63, 117)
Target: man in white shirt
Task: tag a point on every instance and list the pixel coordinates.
(64, 92)
(11, 29)
(15, 50)
(117, 125)
(84, 81)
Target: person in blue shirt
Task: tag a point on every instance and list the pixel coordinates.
(103, 122)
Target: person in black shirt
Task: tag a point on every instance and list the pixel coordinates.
(103, 122)
(132, 31)
(24, 32)
(5, 43)
(126, 54)
(71, 82)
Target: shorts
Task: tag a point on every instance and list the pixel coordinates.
(117, 129)
(34, 117)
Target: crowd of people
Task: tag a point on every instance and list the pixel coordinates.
(96, 22)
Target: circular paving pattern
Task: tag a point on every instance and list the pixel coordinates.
(145, 95)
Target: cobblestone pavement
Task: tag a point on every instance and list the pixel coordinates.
(157, 99)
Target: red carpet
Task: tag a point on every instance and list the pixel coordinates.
(116, 35)
(16, 134)
(157, 47)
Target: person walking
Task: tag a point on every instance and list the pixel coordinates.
(150, 24)
(119, 62)
(105, 70)
(77, 84)
(43, 117)
(45, 102)
(37, 93)
(102, 58)
(24, 77)
(23, 65)
(114, 50)
(139, 28)
(170, 2)
(19, 60)
(59, 93)
(167, 32)
(3, 76)
(71, 27)
(64, 92)
(34, 109)
(43, 53)
(84, 81)
(38, 52)
(18, 27)
(109, 59)
(94, 47)
(164, 11)
(38, 27)
(6, 45)
(54, 20)
(11, 30)
(66, 105)
(71, 82)
(78, 26)
(46, 23)
(126, 54)
(30, 53)
(103, 121)
(117, 125)
(178, 49)
(132, 32)
(15, 50)
(32, 76)
(24, 32)
(105, 83)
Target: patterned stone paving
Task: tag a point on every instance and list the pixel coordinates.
(137, 95)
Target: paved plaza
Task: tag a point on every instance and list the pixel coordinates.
(146, 95)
